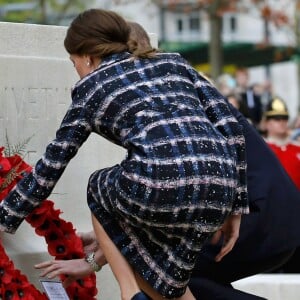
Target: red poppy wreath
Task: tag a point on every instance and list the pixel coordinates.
(60, 236)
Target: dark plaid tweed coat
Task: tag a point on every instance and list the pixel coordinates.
(184, 173)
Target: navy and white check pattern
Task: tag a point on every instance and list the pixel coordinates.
(184, 173)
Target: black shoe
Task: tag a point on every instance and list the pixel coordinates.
(140, 296)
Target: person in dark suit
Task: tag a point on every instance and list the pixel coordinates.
(269, 235)
(250, 102)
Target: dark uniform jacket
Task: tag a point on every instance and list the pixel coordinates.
(273, 225)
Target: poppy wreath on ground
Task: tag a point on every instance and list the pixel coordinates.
(60, 236)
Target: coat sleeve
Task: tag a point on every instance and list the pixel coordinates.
(217, 110)
(37, 185)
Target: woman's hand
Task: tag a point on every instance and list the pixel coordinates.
(74, 269)
(230, 233)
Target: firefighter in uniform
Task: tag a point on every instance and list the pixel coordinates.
(278, 138)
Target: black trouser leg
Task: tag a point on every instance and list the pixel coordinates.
(291, 266)
(229, 270)
(205, 289)
(212, 281)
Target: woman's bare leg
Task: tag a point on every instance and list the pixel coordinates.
(129, 281)
(119, 266)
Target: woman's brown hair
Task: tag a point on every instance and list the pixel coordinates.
(99, 33)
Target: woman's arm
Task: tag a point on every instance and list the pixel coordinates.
(37, 185)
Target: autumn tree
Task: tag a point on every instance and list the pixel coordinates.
(215, 10)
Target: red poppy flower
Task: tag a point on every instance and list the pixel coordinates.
(83, 289)
(67, 228)
(63, 243)
(88, 283)
(21, 167)
(58, 248)
(6, 190)
(43, 228)
(41, 213)
(76, 247)
(36, 220)
(6, 273)
(5, 165)
(11, 291)
(25, 289)
(54, 234)
(81, 293)
(31, 293)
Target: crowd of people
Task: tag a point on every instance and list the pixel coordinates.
(269, 114)
(252, 99)
(200, 199)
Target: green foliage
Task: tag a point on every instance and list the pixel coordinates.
(45, 11)
(19, 148)
(14, 16)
